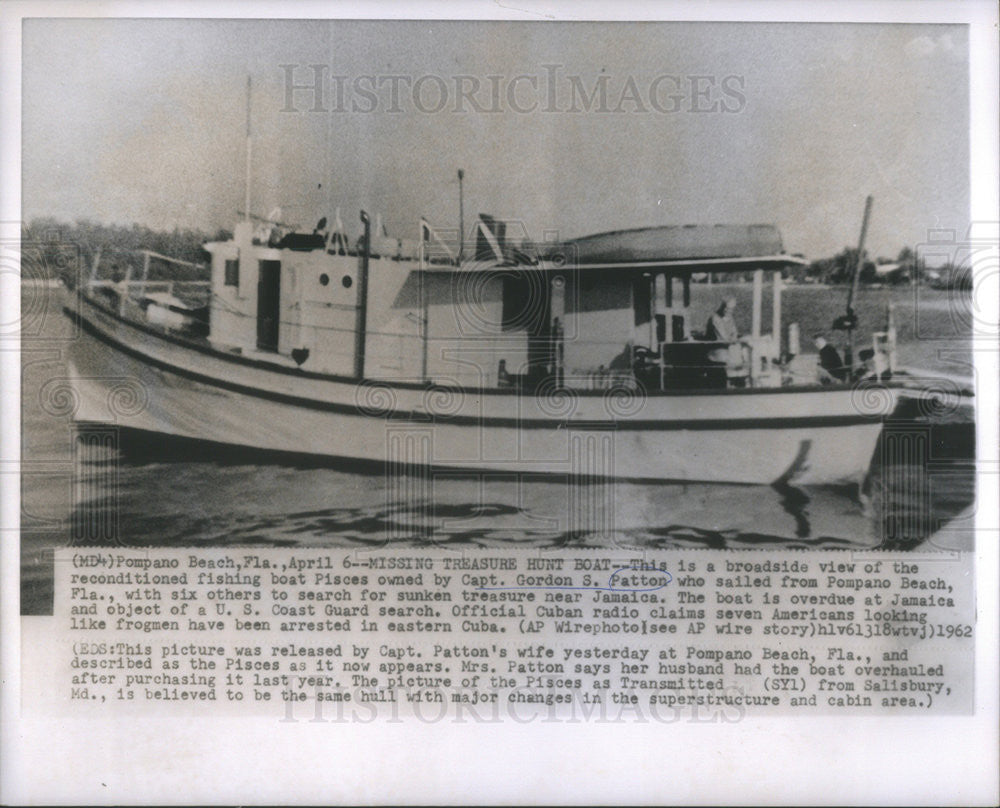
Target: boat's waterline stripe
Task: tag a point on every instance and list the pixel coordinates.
(243, 453)
(424, 417)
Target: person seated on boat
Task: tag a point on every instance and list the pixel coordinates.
(620, 369)
(725, 362)
(721, 326)
(831, 366)
(504, 379)
(874, 366)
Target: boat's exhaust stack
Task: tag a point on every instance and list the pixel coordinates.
(490, 236)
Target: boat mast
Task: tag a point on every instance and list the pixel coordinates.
(461, 217)
(361, 322)
(850, 320)
(246, 188)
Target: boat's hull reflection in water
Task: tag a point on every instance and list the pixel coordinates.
(165, 491)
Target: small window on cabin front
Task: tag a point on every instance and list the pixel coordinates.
(232, 272)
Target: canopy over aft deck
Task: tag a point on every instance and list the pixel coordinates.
(680, 248)
(687, 266)
(616, 289)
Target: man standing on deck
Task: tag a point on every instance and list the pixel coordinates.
(721, 327)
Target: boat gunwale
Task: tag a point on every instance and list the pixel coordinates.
(423, 417)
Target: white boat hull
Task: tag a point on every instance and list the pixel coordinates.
(129, 376)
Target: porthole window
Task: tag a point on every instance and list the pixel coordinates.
(347, 281)
(324, 279)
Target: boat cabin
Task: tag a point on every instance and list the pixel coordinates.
(601, 311)
(607, 310)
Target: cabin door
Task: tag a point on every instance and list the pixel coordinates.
(527, 308)
(268, 304)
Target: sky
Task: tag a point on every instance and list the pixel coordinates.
(786, 123)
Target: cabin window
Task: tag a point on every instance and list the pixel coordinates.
(324, 280)
(347, 280)
(232, 272)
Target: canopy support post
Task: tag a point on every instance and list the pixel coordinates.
(776, 315)
(758, 290)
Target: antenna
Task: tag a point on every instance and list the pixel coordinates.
(461, 217)
(246, 196)
(329, 135)
(857, 264)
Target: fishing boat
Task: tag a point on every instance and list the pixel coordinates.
(586, 358)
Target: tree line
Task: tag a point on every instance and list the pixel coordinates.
(906, 268)
(54, 249)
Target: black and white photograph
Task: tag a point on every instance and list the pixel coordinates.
(694, 313)
(485, 284)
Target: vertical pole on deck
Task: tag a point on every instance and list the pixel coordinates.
(422, 244)
(461, 217)
(145, 273)
(668, 304)
(758, 290)
(758, 293)
(424, 319)
(246, 188)
(852, 292)
(557, 296)
(890, 335)
(661, 282)
(361, 321)
(659, 295)
(776, 315)
(93, 269)
(651, 284)
(125, 290)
